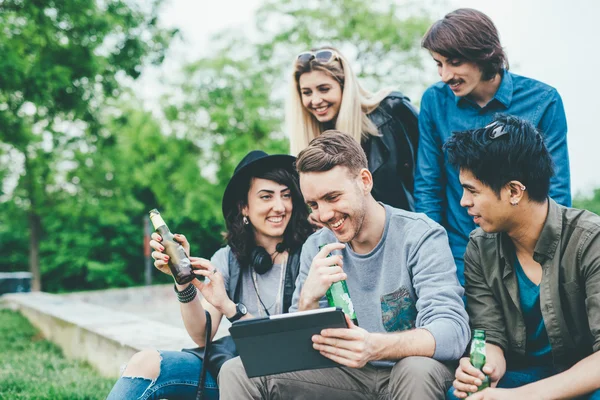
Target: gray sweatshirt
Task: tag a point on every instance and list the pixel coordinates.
(407, 281)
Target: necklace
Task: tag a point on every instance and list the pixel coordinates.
(277, 302)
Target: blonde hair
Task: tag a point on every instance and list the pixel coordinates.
(352, 117)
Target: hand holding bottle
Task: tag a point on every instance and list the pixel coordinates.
(323, 272)
(468, 378)
(484, 368)
(161, 259)
(175, 255)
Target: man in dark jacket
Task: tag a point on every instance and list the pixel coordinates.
(532, 270)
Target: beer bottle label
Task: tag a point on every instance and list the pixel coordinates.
(157, 221)
(349, 307)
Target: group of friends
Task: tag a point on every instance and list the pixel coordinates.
(396, 196)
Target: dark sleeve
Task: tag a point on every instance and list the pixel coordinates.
(402, 110)
(404, 126)
(590, 266)
(482, 306)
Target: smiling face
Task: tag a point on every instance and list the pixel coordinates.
(269, 209)
(463, 77)
(491, 213)
(337, 199)
(321, 95)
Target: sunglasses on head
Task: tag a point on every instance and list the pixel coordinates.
(322, 56)
(495, 130)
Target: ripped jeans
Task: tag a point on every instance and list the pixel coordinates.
(178, 379)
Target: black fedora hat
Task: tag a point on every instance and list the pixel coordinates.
(256, 160)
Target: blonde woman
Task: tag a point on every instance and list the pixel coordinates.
(325, 94)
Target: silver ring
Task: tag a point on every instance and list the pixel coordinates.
(215, 271)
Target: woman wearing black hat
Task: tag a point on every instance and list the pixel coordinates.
(254, 275)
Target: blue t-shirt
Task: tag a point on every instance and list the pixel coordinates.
(538, 348)
(437, 188)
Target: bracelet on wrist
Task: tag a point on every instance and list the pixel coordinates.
(186, 295)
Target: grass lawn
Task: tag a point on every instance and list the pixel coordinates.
(34, 368)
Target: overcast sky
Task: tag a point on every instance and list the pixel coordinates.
(549, 40)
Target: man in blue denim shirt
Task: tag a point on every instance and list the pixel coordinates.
(476, 85)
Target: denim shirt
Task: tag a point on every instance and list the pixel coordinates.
(568, 249)
(437, 188)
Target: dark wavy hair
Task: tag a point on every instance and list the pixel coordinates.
(240, 237)
(508, 149)
(470, 35)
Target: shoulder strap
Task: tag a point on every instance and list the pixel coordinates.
(291, 273)
(206, 356)
(235, 278)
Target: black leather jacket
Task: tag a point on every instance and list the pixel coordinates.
(392, 156)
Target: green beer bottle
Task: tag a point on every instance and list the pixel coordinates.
(179, 263)
(478, 355)
(339, 296)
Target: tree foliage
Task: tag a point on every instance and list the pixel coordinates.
(382, 38)
(83, 163)
(60, 63)
(232, 102)
(588, 203)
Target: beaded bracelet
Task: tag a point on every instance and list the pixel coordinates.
(186, 295)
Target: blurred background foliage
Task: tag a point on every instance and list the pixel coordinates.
(82, 161)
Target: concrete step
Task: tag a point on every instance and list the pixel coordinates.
(104, 337)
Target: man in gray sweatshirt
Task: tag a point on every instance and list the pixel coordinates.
(401, 277)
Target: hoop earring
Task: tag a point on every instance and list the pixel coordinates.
(245, 220)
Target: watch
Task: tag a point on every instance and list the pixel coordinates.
(240, 311)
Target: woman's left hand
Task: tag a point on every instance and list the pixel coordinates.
(213, 288)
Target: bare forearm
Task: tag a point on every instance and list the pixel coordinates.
(194, 319)
(394, 346)
(495, 356)
(582, 378)
(305, 303)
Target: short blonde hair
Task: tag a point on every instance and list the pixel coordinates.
(352, 118)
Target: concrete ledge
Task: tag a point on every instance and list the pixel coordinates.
(103, 337)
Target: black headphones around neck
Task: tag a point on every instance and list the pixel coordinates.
(261, 260)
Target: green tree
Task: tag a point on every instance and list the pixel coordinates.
(381, 38)
(82, 163)
(588, 203)
(233, 101)
(60, 63)
(101, 219)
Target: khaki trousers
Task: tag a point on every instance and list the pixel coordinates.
(414, 378)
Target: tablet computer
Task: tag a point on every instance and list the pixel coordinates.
(282, 343)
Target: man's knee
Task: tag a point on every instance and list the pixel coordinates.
(232, 369)
(144, 364)
(421, 371)
(419, 366)
(234, 382)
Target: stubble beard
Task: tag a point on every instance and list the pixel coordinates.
(358, 219)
